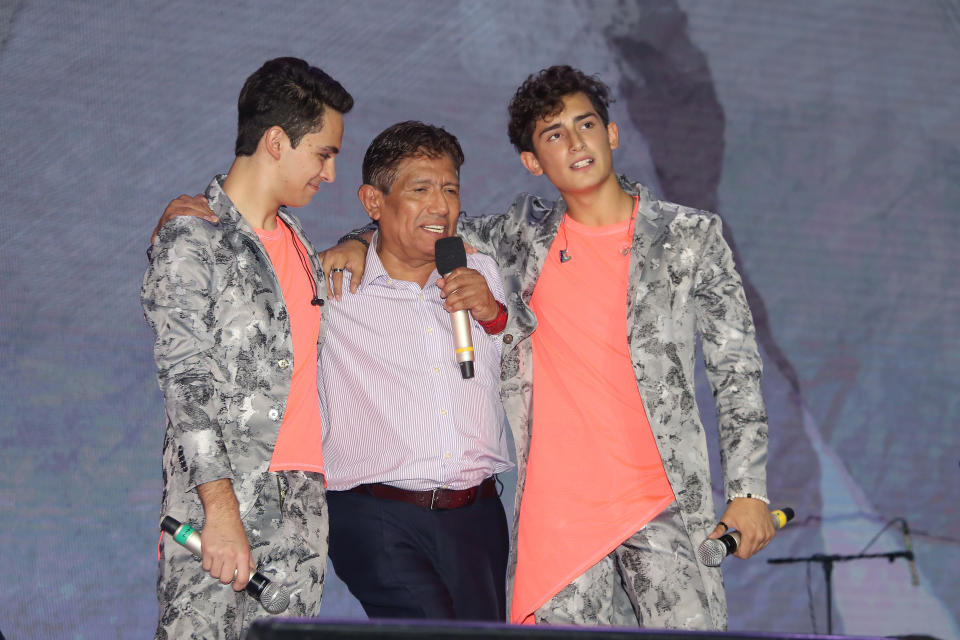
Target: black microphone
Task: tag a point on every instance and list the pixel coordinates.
(712, 551)
(450, 255)
(272, 595)
(914, 578)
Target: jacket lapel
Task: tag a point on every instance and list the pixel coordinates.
(544, 234)
(643, 287)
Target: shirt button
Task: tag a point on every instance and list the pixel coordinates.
(429, 329)
(507, 339)
(447, 455)
(443, 412)
(273, 414)
(421, 296)
(282, 363)
(436, 369)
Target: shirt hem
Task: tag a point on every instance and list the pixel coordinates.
(298, 466)
(579, 569)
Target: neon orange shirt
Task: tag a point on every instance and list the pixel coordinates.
(594, 475)
(298, 445)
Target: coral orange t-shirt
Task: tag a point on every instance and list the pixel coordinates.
(299, 443)
(594, 474)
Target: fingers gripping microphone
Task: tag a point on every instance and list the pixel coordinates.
(273, 596)
(450, 255)
(712, 551)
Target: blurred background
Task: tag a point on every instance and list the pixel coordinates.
(826, 134)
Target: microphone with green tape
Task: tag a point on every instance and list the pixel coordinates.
(274, 597)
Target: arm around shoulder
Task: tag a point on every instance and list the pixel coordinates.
(483, 233)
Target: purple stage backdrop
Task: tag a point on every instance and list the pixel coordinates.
(826, 133)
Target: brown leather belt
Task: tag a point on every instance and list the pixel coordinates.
(431, 499)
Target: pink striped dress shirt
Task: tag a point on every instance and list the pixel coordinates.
(395, 407)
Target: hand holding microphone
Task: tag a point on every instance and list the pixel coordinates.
(273, 596)
(464, 291)
(713, 550)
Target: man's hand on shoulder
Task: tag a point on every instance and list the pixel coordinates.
(350, 255)
(226, 550)
(185, 205)
(751, 517)
(465, 288)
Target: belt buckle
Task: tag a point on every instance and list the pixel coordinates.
(433, 498)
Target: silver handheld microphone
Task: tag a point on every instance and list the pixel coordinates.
(450, 254)
(273, 596)
(712, 551)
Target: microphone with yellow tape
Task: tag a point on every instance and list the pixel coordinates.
(712, 551)
(451, 254)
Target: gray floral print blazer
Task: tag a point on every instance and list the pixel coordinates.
(223, 351)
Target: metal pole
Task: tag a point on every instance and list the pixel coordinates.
(828, 572)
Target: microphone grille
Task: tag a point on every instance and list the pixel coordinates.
(450, 254)
(275, 598)
(711, 553)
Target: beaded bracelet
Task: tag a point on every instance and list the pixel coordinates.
(355, 236)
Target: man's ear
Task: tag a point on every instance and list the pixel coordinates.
(613, 135)
(529, 160)
(372, 200)
(274, 139)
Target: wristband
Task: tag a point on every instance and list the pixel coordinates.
(498, 324)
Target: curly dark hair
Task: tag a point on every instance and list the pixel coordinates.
(541, 96)
(410, 139)
(286, 93)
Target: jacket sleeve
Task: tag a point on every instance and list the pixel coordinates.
(484, 233)
(733, 367)
(178, 297)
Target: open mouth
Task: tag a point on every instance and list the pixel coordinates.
(580, 164)
(435, 228)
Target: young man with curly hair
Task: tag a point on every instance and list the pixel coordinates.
(607, 290)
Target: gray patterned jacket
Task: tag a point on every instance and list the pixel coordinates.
(682, 281)
(223, 351)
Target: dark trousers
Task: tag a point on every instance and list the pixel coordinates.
(403, 561)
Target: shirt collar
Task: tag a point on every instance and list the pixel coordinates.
(375, 273)
(373, 270)
(220, 202)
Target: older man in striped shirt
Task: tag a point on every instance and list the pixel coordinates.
(417, 529)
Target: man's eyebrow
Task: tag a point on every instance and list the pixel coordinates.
(426, 180)
(582, 116)
(556, 125)
(329, 149)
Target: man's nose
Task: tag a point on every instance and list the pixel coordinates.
(440, 202)
(329, 172)
(576, 141)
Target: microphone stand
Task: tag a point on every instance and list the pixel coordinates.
(826, 561)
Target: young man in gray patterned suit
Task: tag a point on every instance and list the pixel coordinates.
(236, 308)
(679, 281)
